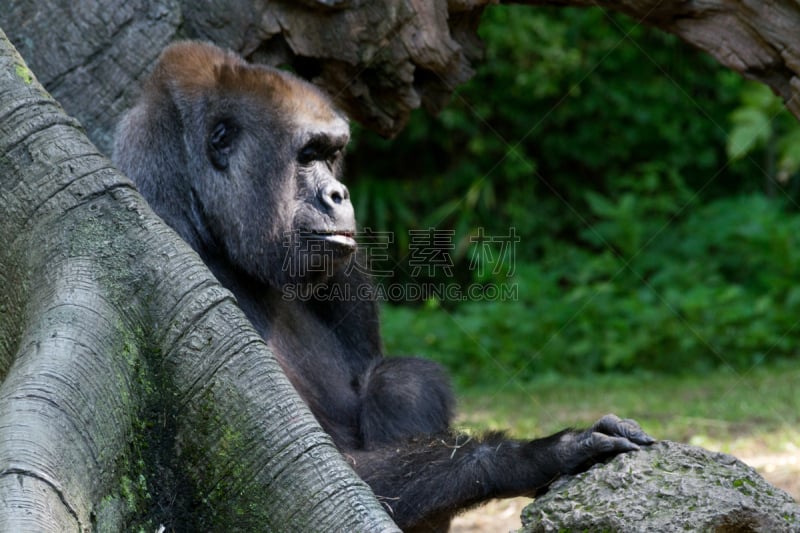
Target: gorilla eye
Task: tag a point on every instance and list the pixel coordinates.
(311, 152)
(318, 149)
(220, 143)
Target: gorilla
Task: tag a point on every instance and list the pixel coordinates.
(243, 161)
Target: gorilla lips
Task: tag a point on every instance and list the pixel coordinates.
(336, 239)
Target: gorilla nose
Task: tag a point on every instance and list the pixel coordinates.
(335, 195)
(335, 199)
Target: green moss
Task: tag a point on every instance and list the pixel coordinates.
(24, 73)
(134, 489)
(744, 485)
(132, 499)
(236, 504)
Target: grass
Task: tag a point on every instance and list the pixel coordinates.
(739, 413)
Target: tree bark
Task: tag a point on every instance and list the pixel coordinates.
(134, 392)
(379, 59)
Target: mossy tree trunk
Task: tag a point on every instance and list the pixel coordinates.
(134, 392)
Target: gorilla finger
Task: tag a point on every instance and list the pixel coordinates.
(635, 432)
(627, 428)
(602, 444)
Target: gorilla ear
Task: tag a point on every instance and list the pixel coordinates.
(220, 143)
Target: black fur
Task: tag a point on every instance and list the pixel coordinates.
(243, 161)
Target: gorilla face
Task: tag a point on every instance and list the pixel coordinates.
(264, 153)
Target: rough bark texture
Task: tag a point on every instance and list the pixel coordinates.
(664, 487)
(380, 59)
(134, 392)
(89, 54)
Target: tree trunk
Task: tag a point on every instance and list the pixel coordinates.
(134, 392)
(379, 59)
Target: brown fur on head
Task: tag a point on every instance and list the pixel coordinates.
(194, 68)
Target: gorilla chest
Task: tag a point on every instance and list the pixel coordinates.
(321, 366)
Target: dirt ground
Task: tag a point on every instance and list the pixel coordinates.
(782, 470)
(496, 516)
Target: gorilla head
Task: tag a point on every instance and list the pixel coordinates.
(243, 161)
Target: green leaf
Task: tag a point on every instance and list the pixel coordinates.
(751, 128)
(789, 150)
(600, 205)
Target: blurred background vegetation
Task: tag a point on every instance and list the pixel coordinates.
(655, 195)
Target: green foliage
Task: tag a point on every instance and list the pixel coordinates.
(645, 243)
(714, 289)
(761, 122)
(636, 210)
(565, 101)
(752, 121)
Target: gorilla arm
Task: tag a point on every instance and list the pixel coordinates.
(426, 482)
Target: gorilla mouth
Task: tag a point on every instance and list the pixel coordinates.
(344, 239)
